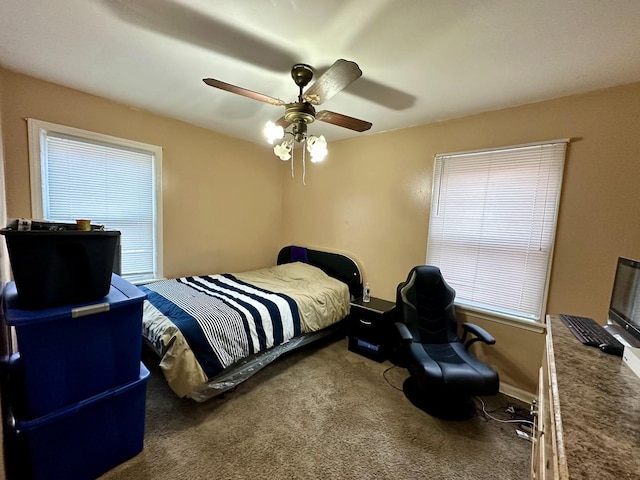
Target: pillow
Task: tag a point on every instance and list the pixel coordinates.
(298, 254)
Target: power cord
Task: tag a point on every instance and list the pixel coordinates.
(521, 421)
(384, 375)
(527, 426)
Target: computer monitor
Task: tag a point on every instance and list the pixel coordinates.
(624, 307)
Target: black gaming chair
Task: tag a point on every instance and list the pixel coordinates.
(444, 376)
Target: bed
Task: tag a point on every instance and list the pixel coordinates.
(212, 332)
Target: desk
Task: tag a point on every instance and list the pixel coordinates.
(591, 402)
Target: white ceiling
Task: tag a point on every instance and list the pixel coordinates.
(422, 60)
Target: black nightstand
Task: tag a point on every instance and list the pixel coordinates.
(371, 327)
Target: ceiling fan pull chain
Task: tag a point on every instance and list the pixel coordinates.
(303, 163)
(292, 150)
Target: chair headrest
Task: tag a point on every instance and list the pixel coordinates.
(429, 286)
(428, 276)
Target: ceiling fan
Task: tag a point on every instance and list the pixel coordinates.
(302, 112)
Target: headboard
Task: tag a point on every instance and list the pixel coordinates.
(335, 265)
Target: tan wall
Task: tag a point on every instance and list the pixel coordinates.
(222, 196)
(371, 199)
(4, 261)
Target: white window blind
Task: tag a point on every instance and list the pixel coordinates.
(492, 227)
(109, 182)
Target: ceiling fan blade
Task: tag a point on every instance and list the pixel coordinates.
(212, 82)
(282, 122)
(343, 121)
(340, 75)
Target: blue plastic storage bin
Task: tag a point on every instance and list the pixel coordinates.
(83, 440)
(71, 353)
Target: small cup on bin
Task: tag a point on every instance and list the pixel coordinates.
(83, 225)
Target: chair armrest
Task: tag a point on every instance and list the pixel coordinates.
(480, 335)
(405, 334)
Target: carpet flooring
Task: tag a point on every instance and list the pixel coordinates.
(321, 412)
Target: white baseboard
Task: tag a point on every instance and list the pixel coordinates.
(518, 393)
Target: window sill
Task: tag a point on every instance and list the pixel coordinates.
(148, 280)
(538, 327)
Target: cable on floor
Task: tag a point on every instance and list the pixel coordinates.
(384, 375)
(529, 422)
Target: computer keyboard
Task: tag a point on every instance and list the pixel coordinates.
(591, 333)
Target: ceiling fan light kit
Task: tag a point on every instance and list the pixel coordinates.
(273, 132)
(301, 113)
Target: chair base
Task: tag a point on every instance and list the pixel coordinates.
(442, 407)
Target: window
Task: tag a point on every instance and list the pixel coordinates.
(111, 181)
(493, 223)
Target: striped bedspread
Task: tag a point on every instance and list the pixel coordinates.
(224, 319)
(201, 327)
